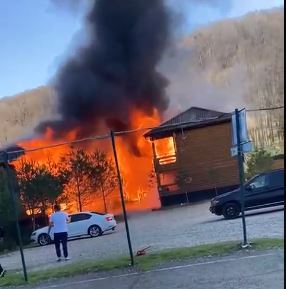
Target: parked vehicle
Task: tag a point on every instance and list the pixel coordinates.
(263, 190)
(81, 224)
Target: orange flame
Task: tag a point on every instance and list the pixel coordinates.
(135, 169)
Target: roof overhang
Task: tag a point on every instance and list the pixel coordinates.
(166, 131)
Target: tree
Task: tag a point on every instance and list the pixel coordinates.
(258, 162)
(28, 193)
(7, 214)
(49, 186)
(76, 168)
(39, 187)
(6, 207)
(104, 175)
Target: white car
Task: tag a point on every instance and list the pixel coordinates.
(81, 224)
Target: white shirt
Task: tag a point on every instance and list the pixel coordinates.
(60, 220)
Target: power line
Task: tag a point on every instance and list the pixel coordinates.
(106, 136)
(118, 133)
(121, 133)
(59, 144)
(265, 109)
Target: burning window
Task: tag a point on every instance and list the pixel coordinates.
(165, 150)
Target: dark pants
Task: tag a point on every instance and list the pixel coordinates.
(58, 239)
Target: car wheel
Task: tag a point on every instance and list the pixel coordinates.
(44, 239)
(94, 231)
(231, 211)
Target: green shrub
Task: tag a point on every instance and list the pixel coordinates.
(258, 162)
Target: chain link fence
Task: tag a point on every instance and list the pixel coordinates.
(166, 186)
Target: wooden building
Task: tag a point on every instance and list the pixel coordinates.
(192, 158)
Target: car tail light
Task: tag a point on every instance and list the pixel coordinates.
(109, 219)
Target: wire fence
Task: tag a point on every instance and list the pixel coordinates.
(186, 168)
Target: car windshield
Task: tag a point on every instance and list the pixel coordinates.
(251, 180)
(258, 181)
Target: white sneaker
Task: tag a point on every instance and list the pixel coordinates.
(67, 259)
(59, 260)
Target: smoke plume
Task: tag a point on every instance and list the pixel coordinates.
(117, 71)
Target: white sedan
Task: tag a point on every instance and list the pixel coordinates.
(81, 224)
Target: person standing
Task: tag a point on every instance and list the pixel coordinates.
(58, 222)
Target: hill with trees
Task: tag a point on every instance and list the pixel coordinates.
(232, 63)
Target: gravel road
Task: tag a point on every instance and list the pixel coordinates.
(177, 227)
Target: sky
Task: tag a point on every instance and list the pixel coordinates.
(36, 36)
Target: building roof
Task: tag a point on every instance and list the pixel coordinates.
(192, 118)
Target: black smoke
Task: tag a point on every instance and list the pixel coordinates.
(117, 71)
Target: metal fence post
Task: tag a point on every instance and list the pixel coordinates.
(241, 176)
(122, 197)
(12, 193)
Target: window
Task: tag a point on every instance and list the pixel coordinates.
(259, 182)
(168, 178)
(277, 178)
(168, 181)
(80, 217)
(74, 218)
(165, 150)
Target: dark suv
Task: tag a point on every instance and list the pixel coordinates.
(264, 190)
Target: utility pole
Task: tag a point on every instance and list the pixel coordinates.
(15, 209)
(122, 197)
(241, 176)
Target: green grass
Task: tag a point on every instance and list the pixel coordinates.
(217, 249)
(73, 269)
(143, 263)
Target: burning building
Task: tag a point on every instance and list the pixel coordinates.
(192, 158)
(112, 83)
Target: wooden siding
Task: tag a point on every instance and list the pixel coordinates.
(203, 159)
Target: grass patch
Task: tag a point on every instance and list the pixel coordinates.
(142, 263)
(267, 243)
(68, 270)
(218, 249)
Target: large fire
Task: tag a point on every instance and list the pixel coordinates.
(135, 169)
(104, 84)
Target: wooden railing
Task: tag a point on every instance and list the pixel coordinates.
(166, 160)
